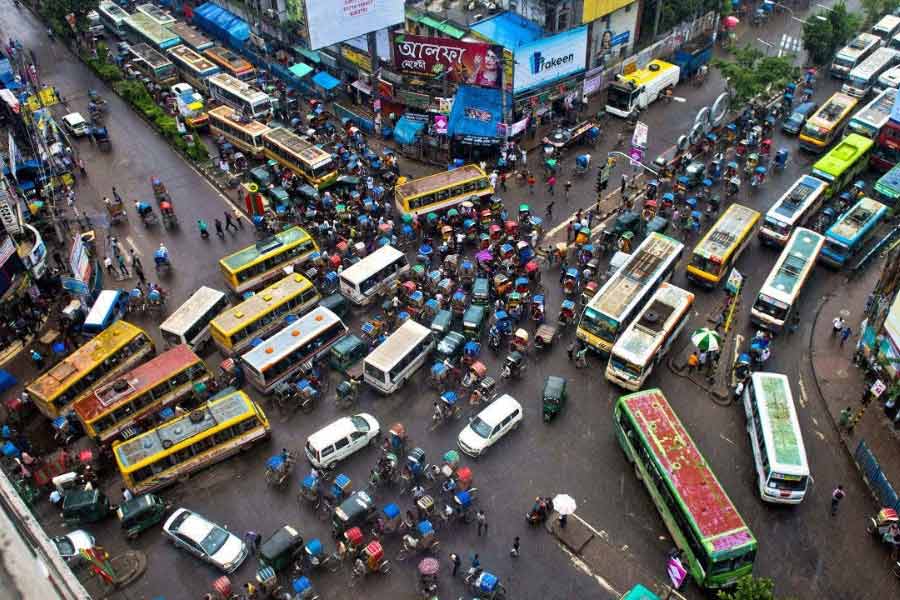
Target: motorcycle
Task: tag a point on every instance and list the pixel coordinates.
(540, 510)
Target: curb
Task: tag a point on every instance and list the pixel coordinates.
(812, 367)
(719, 398)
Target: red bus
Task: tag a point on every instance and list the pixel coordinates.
(886, 153)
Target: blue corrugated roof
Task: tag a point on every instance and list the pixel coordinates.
(222, 24)
(406, 130)
(509, 29)
(485, 100)
(325, 81)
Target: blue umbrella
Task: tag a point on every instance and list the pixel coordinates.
(696, 214)
(692, 202)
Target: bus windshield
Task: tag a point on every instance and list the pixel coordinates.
(619, 97)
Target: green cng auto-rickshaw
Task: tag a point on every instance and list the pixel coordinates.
(141, 513)
(554, 396)
(85, 506)
(281, 549)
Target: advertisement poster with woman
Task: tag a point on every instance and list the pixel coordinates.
(469, 63)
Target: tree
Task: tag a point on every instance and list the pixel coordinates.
(828, 31)
(844, 25)
(875, 9)
(817, 36)
(752, 73)
(751, 588)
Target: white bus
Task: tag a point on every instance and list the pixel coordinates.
(778, 451)
(796, 207)
(392, 363)
(242, 97)
(887, 28)
(373, 275)
(189, 324)
(641, 87)
(865, 76)
(614, 305)
(301, 342)
(113, 17)
(782, 288)
(874, 115)
(648, 338)
(848, 57)
(156, 13)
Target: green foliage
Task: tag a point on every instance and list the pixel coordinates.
(751, 588)
(55, 11)
(752, 73)
(674, 13)
(875, 9)
(828, 31)
(844, 24)
(817, 36)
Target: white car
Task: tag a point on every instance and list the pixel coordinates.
(333, 443)
(185, 88)
(75, 124)
(485, 429)
(70, 545)
(205, 540)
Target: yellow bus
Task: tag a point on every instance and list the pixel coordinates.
(234, 329)
(443, 190)
(303, 158)
(244, 134)
(256, 265)
(223, 426)
(137, 397)
(231, 63)
(827, 123)
(722, 245)
(117, 349)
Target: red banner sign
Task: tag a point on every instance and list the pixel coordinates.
(470, 63)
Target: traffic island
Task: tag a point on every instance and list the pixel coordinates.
(575, 536)
(123, 570)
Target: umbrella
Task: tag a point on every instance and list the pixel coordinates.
(731, 22)
(429, 566)
(706, 339)
(564, 504)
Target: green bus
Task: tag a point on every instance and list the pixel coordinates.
(843, 163)
(718, 546)
(887, 188)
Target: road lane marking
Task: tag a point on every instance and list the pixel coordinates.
(726, 439)
(820, 435)
(133, 245)
(738, 340)
(803, 397)
(583, 567)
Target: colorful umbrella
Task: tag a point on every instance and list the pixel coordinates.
(706, 339)
(731, 22)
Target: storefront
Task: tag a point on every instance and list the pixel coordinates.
(475, 126)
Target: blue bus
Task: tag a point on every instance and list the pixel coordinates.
(848, 235)
(107, 308)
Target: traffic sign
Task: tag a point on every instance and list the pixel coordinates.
(639, 137)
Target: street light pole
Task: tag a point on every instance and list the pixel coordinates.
(766, 44)
(623, 155)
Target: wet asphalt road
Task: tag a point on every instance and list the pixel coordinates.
(805, 551)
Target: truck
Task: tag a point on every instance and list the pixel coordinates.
(640, 88)
(693, 55)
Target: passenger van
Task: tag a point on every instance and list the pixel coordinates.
(109, 306)
(492, 423)
(335, 442)
(887, 28)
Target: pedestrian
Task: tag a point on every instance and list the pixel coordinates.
(845, 333)
(551, 183)
(503, 177)
(844, 419)
(139, 272)
(514, 551)
(562, 521)
(624, 184)
(122, 268)
(568, 188)
(550, 210)
(81, 167)
(126, 495)
(251, 538)
(836, 496)
(476, 564)
(571, 351)
(229, 222)
(135, 259)
(219, 231)
(37, 359)
(837, 325)
(238, 218)
(108, 263)
(693, 361)
(482, 522)
(116, 195)
(531, 182)
(702, 358)
(569, 231)
(454, 558)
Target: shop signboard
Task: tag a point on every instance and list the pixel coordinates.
(470, 63)
(440, 124)
(363, 61)
(550, 59)
(593, 81)
(414, 100)
(331, 21)
(385, 88)
(79, 261)
(597, 9)
(8, 214)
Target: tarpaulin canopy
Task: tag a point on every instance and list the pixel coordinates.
(406, 129)
(301, 70)
(310, 55)
(7, 75)
(509, 29)
(476, 115)
(222, 24)
(325, 81)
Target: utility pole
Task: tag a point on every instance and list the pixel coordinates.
(656, 17)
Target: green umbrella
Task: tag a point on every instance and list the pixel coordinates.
(706, 339)
(452, 213)
(407, 218)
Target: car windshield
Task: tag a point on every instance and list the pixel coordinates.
(65, 547)
(360, 423)
(480, 427)
(214, 540)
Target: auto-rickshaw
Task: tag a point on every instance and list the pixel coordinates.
(85, 506)
(356, 511)
(451, 346)
(544, 336)
(588, 291)
(502, 284)
(627, 221)
(458, 303)
(537, 308)
(566, 313)
(657, 224)
(481, 291)
(524, 213)
(554, 396)
(140, 513)
(441, 322)
(477, 371)
(519, 341)
(346, 355)
(473, 321)
(281, 549)
(512, 365)
(571, 281)
(695, 172)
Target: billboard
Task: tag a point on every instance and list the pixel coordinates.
(549, 59)
(331, 21)
(597, 9)
(468, 63)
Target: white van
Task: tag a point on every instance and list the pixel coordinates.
(333, 443)
(491, 424)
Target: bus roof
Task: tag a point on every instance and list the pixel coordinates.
(712, 512)
(264, 248)
(873, 62)
(52, 383)
(218, 410)
(640, 77)
(191, 36)
(227, 57)
(184, 316)
(780, 428)
(149, 55)
(796, 199)
(112, 9)
(719, 241)
(261, 303)
(296, 145)
(799, 254)
(282, 343)
(888, 185)
(190, 57)
(105, 302)
(833, 110)
(620, 291)
(858, 45)
(645, 333)
(438, 180)
(406, 337)
(156, 13)
(841, 157)
(154, 31)
(851, 222)
(877, 112)
(136, 381)
(227, 113)
(371, 264)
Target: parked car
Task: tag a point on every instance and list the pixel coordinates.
(335, 442)
(70, 545)
(75, 124)
(794, 123)
(205, 540)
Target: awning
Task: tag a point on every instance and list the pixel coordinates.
(301, 70)
(362, 86)
(406, 130)
(222, 24)
(476, 115)
(445, 28)
(310, 55)
(324, 80)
